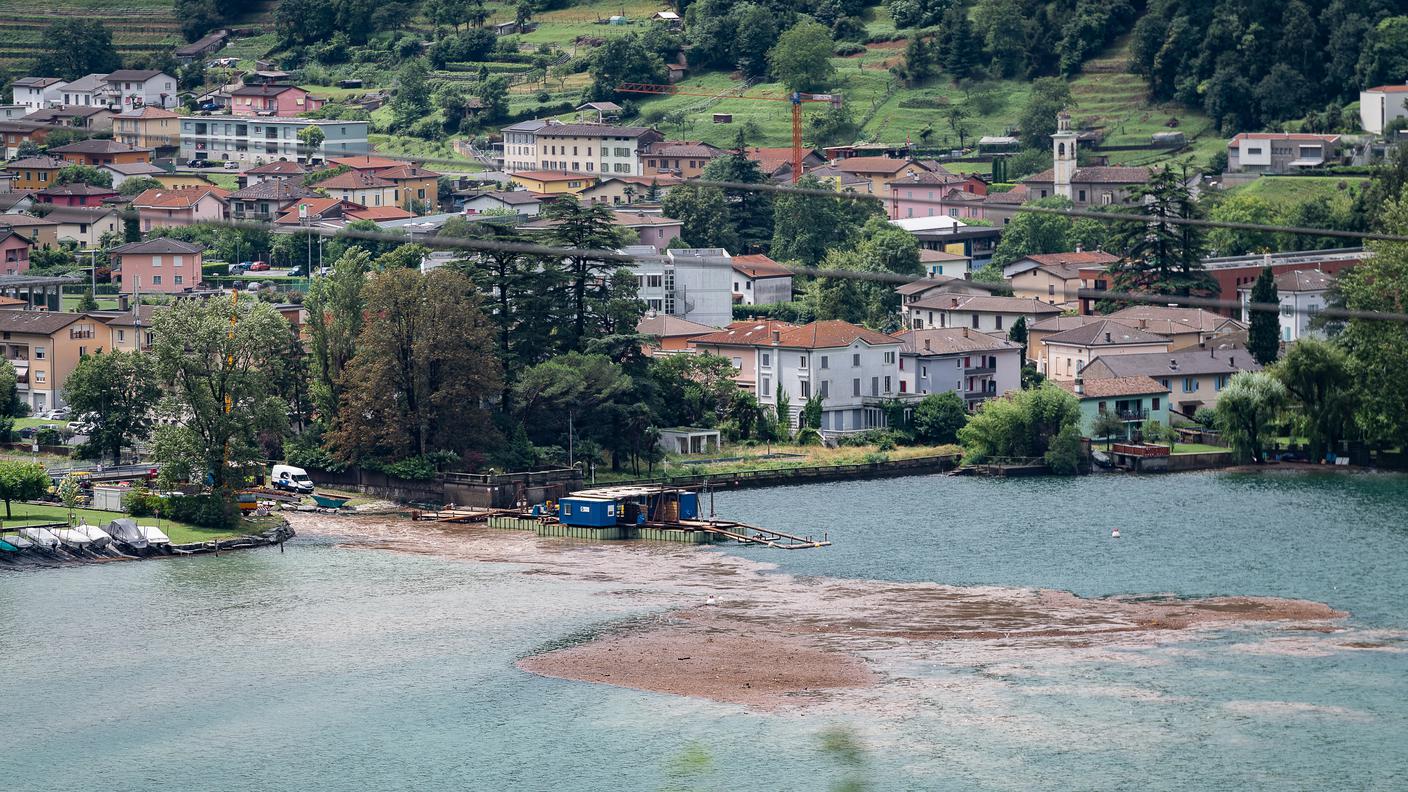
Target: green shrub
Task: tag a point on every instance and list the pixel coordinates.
(924, 102)
(414, 468)
(48, 437)
(206, 511)
(875, 457)
(143, 503)
(843, 50)
(808, 436)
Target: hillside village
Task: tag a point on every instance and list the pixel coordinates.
(854, 288)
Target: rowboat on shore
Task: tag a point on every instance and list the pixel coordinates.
(6, 547)
(329, 501)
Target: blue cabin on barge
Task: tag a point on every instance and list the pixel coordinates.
(610, 506)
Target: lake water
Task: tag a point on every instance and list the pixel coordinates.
(342, 666)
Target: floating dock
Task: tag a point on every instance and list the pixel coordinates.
(659, 514)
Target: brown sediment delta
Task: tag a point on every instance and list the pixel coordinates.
(733, 630)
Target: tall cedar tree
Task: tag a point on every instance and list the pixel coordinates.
(1160, 257)
(749, 211)
(1264, 335)
(591, 227)
(423, 369)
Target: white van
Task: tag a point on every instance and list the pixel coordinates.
(292, 479)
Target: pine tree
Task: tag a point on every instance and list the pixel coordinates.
(959, 47)
(1018, 334)
(1264, 335)
(1160, 257)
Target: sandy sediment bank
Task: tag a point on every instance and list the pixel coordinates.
(771, 640)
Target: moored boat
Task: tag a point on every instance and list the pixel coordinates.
(329, 501)
(40, 536)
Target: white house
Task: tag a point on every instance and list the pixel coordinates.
(691, 283)
(133, 88)
(976, 366)
(854, 371)
(90, 90)
(37, 93)
(1378, 107)
(520, 146)
(758, 280)
(1302, 295)
(987, 313)
(519, 202)
(266, 139)
(943, 264)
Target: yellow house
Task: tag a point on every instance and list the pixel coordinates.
(45, 347)
(879, 171)
(1053, 277)
(1068, 352)
(413, 188)
(552, 182)
(362, 188)
(131, 327)
(147, 127)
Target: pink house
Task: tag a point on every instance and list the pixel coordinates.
(14, 252)
(936, 193)
(75, 194)
(157, 265)
(272, 100)
(653, 229)
(182, 206)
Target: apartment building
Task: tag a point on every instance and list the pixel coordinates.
(692, 283)
(45, 347)
(520, 146)
(265, 139)
(147, 127)
(600, 149)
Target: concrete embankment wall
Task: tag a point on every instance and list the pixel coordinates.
(1211, 459)
(745, 479)
(614, 533)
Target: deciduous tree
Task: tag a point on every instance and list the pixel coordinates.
(1246, 409)
(21, 481)
(801, 59)
(118, 391)
(938, 417)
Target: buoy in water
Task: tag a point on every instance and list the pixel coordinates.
(1115, 534)
(709, 600)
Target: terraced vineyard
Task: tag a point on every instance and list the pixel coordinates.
(138, 26)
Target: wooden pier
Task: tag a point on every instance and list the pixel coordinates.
(687, 531)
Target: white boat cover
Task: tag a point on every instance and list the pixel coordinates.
(96, 535)
(154, 535)
(17, 540)
(40, 536)
(73, 537)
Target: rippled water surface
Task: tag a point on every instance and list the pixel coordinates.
(336, 667)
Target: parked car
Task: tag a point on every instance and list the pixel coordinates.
(231, 165)
(199, 163)
(259, 266)
(57, 414)
(28, 432)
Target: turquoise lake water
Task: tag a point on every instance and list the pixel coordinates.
(337, 668)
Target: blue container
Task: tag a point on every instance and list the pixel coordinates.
(689, 505)
(588, 512)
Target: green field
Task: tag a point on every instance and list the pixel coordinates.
(1287, 191)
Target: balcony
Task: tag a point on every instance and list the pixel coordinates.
(976, 370)
(1133, 415)
(79, 334)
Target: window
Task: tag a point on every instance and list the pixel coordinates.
(1050, 289)
(654, 281)
(1082, 196)
(1190, 384)
(923, 371)
(738, 362)
(121, 335)
(855, 387)
(179, 279)
(825, 389)
(38, 376)
(767, 387)
(802, 361)
(1100, 406)
(825, 362)
(887, 384)
(806, 389)
(156, 280)
(874, 386)
(997, 322)
(890, 356)
(975, 321)
(855, 360)
(1156, 404)
(39, 353)
(767, 359)
(156, 261)
(178, 261)
(1220, 382)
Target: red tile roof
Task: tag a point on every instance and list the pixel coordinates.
(378, 213)
(831, 333)
(1115, 386)
(1097, 174)
(744, 333)
(759, 266)
(872, 164)
(353, 180)
(178, 198)
(366, 162)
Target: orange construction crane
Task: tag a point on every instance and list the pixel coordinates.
(795, 98)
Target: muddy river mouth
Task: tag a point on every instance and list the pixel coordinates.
(730, 629)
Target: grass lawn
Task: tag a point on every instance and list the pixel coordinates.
(23, 514)
(105, 303)
(1285, 192)
(1198, 448)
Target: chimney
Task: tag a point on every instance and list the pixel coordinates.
(1143, 324)
(1232, 361)
(1107, 338)
(1080, 386)
(1173, 364)
(122, 302)
(928, 347)
(776, 337)
(965, 332)
(1080, 248)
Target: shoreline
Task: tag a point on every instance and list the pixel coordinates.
(37, 558)
(774, 641)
